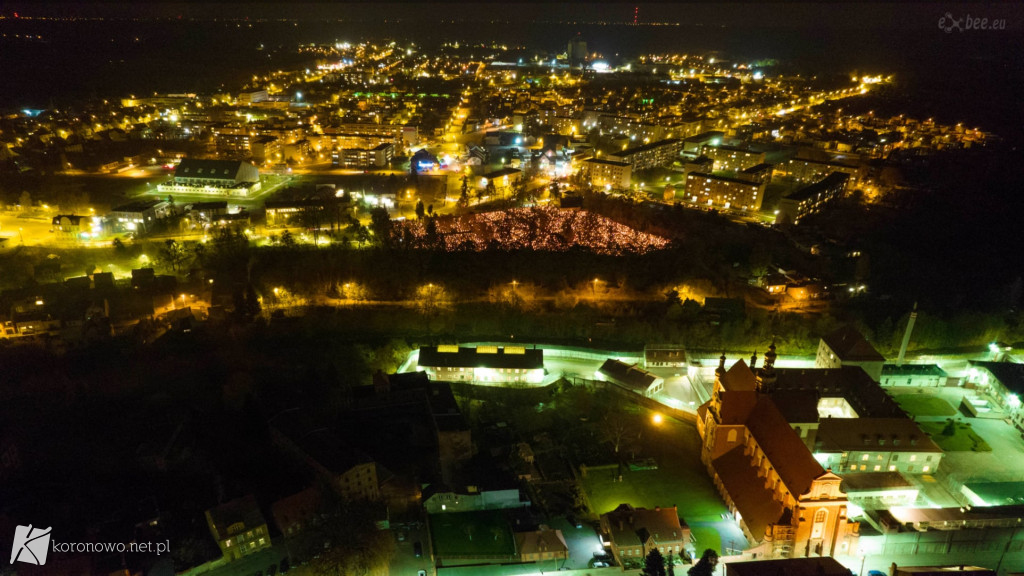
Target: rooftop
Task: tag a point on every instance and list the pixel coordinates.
(626, 523)
(873, 481)
(827, 183)
(913, 370)
(507, 357)
(1009, 374)
(627, 375)
(872, 435)
(824, 566)
(208, 169)
(242, 510)
(850, 345)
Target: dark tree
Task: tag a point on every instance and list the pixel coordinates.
(420, 210)
(706, 565)
(380, 225)
(172, 254)
(287, 240)
(430, 234)
(654, 564)
(464, 192)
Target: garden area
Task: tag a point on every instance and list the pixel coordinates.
(924, 405)
(954, 436)
(481, 534)
(679, 480)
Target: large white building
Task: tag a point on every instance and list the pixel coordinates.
(213, 177)
(483, 364)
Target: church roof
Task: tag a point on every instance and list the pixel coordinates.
(739, 377)
(785, 451)
(746, 489)
(850, 345)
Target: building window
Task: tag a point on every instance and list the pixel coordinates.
(732, 436)
(926, 468)
(913, 457)
(877, 468)
(865, 457)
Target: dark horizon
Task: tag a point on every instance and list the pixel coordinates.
(876, 15)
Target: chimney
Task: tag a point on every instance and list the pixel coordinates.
(906, 335)
(753, 360)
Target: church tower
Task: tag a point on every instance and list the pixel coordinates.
(766, 375)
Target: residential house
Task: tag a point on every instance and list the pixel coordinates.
(541, 546)
(848, 347)
(633, 532)
(238, 527)
(631, 378)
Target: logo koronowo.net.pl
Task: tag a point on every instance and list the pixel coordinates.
(32, 545)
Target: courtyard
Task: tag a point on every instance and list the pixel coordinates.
(680, 479)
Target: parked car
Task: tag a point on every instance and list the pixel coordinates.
(601, 564)
(574, 521)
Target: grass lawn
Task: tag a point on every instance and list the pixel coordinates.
(481, 533)
(924, 405)
(707, 537)
(680, 479)
(965, 439)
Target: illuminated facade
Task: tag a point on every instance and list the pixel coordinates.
(811, 199)
(238, 527)
(377, 157)
(213, 177)
(803, 170)
(847, 347)
(732, 159)
(483, 364)
(602, 173)
(787, 504)
(1005, 383)
(724, 192)
(660, 153)
(137, 216)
